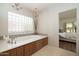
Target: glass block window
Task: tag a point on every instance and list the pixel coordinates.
(19, 23)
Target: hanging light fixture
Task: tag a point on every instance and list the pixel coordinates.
(36, 13)
(17, 6)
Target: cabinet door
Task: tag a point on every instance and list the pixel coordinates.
(19, 51)
(39, 44)
(26, 50)
(44, 41)
(32, 47)
(29, 49)
(12, 52)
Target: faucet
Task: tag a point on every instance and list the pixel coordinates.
(12, 40)
(9, 39)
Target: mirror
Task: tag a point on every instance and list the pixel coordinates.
(67, 30)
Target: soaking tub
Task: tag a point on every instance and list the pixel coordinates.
(4, 45)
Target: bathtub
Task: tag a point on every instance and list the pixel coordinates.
(30, 37)
(4, 45)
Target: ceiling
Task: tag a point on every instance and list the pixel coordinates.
(39, 6)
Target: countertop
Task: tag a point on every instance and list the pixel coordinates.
(4, 45)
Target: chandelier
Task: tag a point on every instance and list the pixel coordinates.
(17, 6)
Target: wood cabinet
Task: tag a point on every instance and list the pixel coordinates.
(11, 52)
(26, 50)
(20, 51)
(14, 52)
(30, 48)
(5, 53)
(44, 42)
(39, 44)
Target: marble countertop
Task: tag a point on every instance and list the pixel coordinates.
(4, 45)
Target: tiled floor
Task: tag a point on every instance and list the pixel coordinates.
(53, 51)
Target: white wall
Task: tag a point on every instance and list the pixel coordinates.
(48, 22)
(77, 30)
(4, 8)
(3, 19)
